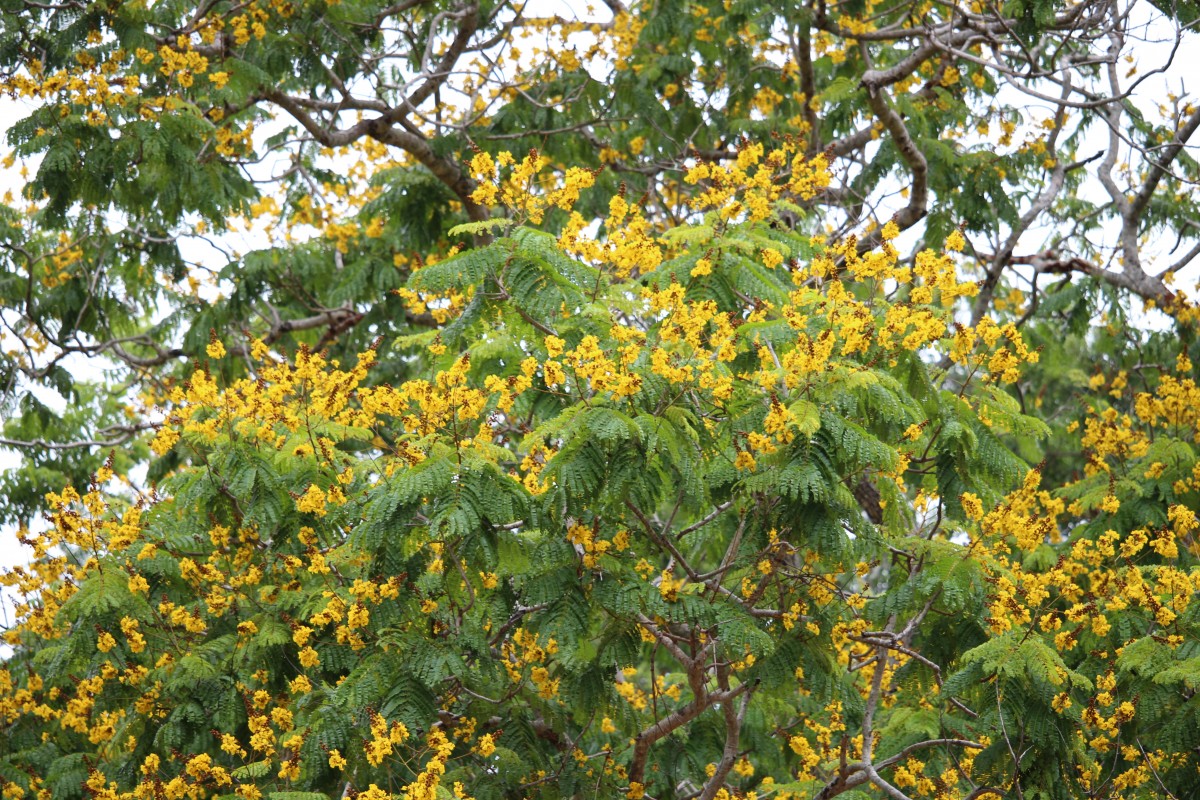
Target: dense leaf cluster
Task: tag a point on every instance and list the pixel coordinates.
(735, 438)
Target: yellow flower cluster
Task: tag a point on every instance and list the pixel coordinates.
(1100, 576)
(523, 190)
(818, 743)
(184, 63)
(384, 738)
(747, 188)
(524, 650)
(426, 784)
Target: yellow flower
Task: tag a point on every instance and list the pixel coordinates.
(669, 586)
(972, 505)
(312, 501)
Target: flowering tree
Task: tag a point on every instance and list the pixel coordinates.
(581, 438)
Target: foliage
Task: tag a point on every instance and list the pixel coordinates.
(594, 413)
(335, 136)
(610, 545)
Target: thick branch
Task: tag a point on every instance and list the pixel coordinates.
(120, 435)
(918, 198)
(1159, 167)
(733, 734)
(672, 722)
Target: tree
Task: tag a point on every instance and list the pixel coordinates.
(585, 427)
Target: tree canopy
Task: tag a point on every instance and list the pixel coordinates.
(675, 400)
